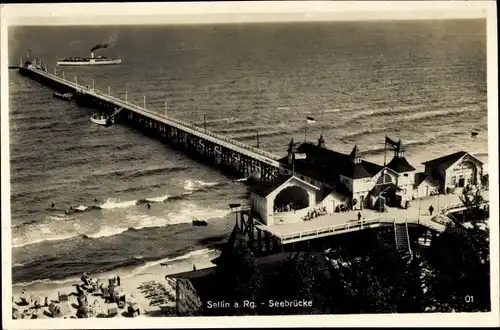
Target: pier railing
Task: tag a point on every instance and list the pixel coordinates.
(270, 158)
(349, 226)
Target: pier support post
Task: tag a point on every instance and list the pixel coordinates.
(109, 90)
(259, 239)
(144, 102)
(267, 241)
(63, 76)
(126, 94)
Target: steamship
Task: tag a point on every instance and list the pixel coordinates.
(97, 60)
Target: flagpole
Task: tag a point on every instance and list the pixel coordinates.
(385, 158)
(305, 131)
(385, 150)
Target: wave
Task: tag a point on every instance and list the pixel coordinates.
(41, 240)
(115, 203)
(106, 232)
(193, 185)
(30, 235)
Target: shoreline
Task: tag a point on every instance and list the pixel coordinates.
(200, 258)
(141, 290)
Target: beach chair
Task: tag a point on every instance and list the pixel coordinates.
(82, 300)
(15, 313)
(112, 281)
(134, 310)
(121, 300)
(112, 309)
(55, 310)
(62, 296)
(25, 298)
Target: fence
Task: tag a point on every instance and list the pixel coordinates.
(126, 104)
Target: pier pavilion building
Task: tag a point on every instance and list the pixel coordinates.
(455, 171)
(321, 181)
(362, 183)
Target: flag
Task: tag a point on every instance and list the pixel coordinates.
(473, 134)
(310, 120)
(300, 156)
(391, 142)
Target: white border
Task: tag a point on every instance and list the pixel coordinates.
(66, 14)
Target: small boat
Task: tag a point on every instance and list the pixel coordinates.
(101, 120)
(64, 96)
(201, 223)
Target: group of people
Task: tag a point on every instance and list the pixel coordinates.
(285, 208)
(315, 213)
(343, 208)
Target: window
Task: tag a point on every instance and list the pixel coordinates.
(406, 174)
(453, 181)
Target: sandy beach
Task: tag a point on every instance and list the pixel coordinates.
(146, 291)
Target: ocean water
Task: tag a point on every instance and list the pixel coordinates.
(421, 81)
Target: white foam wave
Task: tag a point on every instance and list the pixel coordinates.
(241, 180)
(82, 208)
(158, 199)
(107, 231)
(16, 242)
(115, 203)
(191, 211)
(191, 185)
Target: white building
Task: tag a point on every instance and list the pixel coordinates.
(361, 182)
(456, 170)
(286, 199)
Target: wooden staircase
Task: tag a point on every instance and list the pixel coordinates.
(402, 238)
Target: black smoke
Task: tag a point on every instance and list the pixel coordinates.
(99, 46)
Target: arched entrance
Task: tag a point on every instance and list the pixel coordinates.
(291, 198)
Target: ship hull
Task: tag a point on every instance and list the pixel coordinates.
(89, 63)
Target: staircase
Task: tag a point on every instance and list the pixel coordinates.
(402, 238)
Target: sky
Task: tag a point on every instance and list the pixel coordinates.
(233, 12)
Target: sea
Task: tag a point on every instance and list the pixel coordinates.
(423, 82)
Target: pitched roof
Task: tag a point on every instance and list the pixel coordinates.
(419, 178)
(340, 163)
(302, 166)
(265, 188)
(400, 165)
(447, 160)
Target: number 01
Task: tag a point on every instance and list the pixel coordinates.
(469, 299)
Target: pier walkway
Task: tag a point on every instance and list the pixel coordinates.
(344, 222)
(217, 139)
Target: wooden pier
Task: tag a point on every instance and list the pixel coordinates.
(227, 154)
